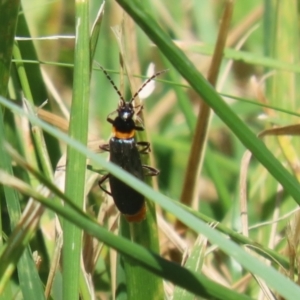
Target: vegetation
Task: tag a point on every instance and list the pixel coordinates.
(222, 217)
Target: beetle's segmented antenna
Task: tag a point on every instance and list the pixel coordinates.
(111, 81)
(146, 82)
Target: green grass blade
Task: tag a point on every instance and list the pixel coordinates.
(249, 58)
(95, 31)
(139, 282)
(36, 133)
(194, 262)
(30, 282)
(8, 21)
(76, 168)
(34, 79)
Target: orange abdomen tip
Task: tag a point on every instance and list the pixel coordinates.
(138, 217)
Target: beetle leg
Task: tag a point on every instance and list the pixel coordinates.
(139, 128)
(138, 108)
(150, 171)
(109, 119)
(145, 147)
(101, 181)
(139, 120)
(104, 147)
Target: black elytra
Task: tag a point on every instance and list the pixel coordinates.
(125, 152)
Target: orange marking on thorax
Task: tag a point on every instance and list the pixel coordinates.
(123, 135)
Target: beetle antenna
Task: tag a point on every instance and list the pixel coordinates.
(146, 82)
(111, 81)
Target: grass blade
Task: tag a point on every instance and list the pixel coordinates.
(76, 168)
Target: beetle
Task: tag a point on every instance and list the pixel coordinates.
(125, 152)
